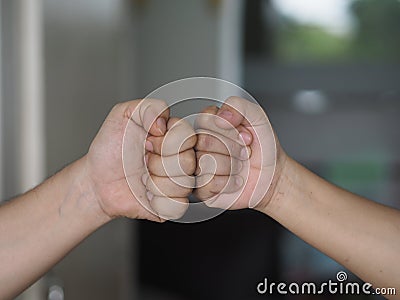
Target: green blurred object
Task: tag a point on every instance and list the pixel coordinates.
(309, 43)
(374, 38)
(364, 177)
(366, 171)
(377, 33)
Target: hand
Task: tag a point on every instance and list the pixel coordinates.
(239, 139)
(124, 133)
(171, 162)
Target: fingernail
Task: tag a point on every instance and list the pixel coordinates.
(239, 165)
(149, 146)
(146, 158)
(243, 153)
(150, 196)
(245, 137)
(226, 114)
(144, 179)
(162, 126)
(239, 181)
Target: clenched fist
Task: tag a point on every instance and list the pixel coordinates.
(150, 143)
(171, 162)
(236, 155)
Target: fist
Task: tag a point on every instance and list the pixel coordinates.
(236, 155)
(152, 179)
(171, 163)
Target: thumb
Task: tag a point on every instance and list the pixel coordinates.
(152, 115)
(238, 111)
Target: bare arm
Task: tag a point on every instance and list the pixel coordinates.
(362, 235)
(40, 227)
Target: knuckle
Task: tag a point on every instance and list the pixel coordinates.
(210, 109)
(179, 138)
(210, 189)
(157, 102)
(217, 184)
(205, 141)
(118, 107)
(234, 101)
(187, 161)
(183, 126)
(201, 193)
(204, 119)
(189, 143)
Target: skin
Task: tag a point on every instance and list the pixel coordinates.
(54, 217)
(227, 135)
(235, 142)
(171, 162)
(360, 234)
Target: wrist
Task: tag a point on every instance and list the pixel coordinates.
(82, 191)
(281, 184)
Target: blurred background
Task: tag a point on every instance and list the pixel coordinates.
(327, 72)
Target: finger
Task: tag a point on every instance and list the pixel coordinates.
(173, 121)
(205, 120)
(208, 186)
(238, 111)
(245, 137)
(216, 143)
(210, 110)
(180, 164)
(169, 208)
(158, 141)
(218, 164)
(152, 115)
(175, 187)
(179, 137)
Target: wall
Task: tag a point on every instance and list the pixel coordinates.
(97, 53)
(88, 67)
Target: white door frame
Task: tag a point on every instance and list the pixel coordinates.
(25, 102)
(1, 112)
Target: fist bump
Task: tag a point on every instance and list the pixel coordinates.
(210, 160)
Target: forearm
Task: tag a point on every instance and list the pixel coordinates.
(40, 227)
(360, 234)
